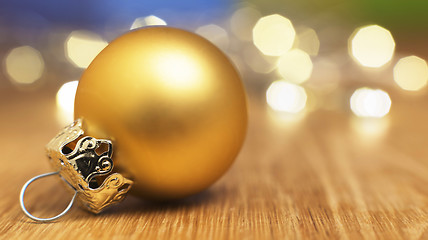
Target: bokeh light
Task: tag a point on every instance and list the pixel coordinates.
(372, 46)
(411, 73)
(366, 102)
(242, 22)
(308, 41)
(215, 34)
(286, 97)
(82, 47)
(295, 66)
(24, 65)
(147, 21)
(65, 101)
(274, 35)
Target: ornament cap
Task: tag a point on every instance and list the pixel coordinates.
(85, 164)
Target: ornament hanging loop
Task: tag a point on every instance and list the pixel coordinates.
(21, 200)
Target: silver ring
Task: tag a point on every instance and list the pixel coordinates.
(21, 200)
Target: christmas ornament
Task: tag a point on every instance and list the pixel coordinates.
(160, 112)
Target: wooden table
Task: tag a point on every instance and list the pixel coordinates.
(325, 176)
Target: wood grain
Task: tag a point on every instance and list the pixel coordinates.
(320, 177)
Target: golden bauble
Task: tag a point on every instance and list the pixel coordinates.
(174, 106)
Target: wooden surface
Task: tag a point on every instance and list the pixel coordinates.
(324, 176)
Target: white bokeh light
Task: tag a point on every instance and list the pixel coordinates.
(82, 47)
(147, 21)
(24, 65)
(411, 73)
(274, 35)
(286, 97)
(295, 66)
(65, 101)
(366, 102)
(372, 46)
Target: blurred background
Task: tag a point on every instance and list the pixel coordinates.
(337, 99)
(295, 57)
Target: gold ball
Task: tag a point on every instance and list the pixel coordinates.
(174, 106)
